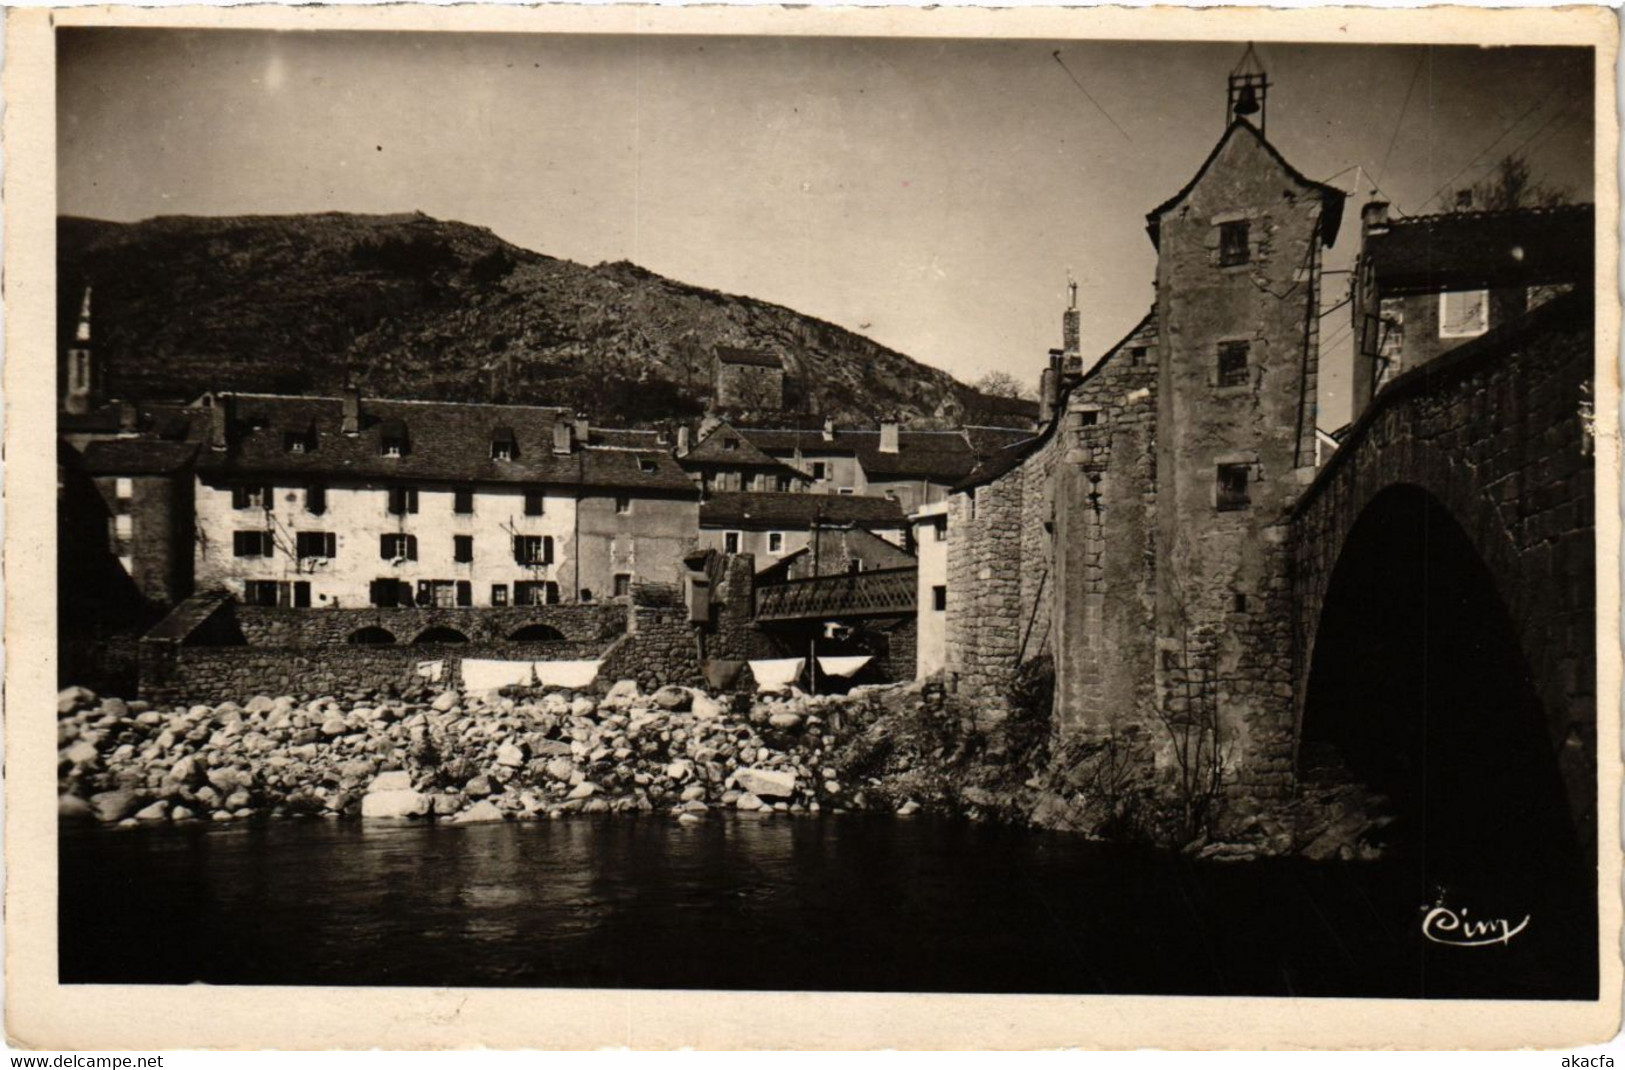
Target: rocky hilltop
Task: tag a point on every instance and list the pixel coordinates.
(417, 307)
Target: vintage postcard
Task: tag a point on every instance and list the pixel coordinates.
(749, 527)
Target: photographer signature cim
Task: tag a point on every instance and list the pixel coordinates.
(1453, 928)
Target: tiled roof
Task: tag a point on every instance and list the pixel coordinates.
(714, 449)
(137, 457)
(1332, 198)
(941, 456)
(446, 441)
(755, 357)
(1471, 250)
(744, 510)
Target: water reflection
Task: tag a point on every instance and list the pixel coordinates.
(838, 902)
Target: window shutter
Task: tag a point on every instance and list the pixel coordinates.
(301, 594)
(412, 501)
(411, 547)
(384, 547)
(239, 497)
(547, 549)
(266, 499)
(316, 499)
(267, 544)
(332, 546)
(465, 593)
(519, 549)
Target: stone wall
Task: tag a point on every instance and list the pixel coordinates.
(1104, 586)
(662, 648)
(285, 627)
(985, 612)
(185, 674)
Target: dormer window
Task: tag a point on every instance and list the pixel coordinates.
(392, 438)
(1233, 244)
(504, 447)
(730, 443)
(646, 465)
(301, 440)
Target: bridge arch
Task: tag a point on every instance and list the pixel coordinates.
(372, 635)
(441, 634)
(536, 633)
(1418, 687)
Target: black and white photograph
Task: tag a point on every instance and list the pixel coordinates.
(825, 513)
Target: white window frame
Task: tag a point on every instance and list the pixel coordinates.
(124, 526)
(1446, 330)
(736, 537)
(124, 488)
(778, 537)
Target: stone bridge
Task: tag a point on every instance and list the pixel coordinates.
(1444, 575)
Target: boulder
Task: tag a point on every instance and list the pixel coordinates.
(74, 698)
(705, 707)
(158, 811)
(673, 698)
(582, 706)
(444, 702)
(260, 704)
(510, 755)
(114, 707)
(483, 812)
(394, 804)
(622, 694)
(334, 726)
(114, 805)
(394, 780)
(478, 786)
(785, 720)
(73, 808)
(679, 771)
(583, 790)
(81, 753)
(445, 804)
(560, 768)
(766, 783)
(748, 802)
(182, 813)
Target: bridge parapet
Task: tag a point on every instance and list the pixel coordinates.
(877, 593)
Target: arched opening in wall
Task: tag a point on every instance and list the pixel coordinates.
(371, 636)
(1419, 690)
(441, 634)
(537, 633)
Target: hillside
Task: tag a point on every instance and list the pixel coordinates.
(414, 307)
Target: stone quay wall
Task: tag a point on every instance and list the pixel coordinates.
(286, 627)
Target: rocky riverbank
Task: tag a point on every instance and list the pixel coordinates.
(513, 755)
(450, 756)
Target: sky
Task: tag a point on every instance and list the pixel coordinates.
(930, 194)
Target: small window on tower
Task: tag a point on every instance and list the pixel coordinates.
(1233, 490)
(1233, 363)
(1233, 247)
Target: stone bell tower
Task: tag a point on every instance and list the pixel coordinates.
(1238, 282)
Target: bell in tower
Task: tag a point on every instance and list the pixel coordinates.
(1249, 90)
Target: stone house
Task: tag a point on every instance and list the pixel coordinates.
(912, 467)
(725, 460)
(1424, 285)
(1139, 539)
(776, 526)
(747, 380)
(345, 502)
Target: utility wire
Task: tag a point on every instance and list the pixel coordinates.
(1401, 120)
(1485, 150)
(1092, 100)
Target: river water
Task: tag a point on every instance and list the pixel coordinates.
(837, 902)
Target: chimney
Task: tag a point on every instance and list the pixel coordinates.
(1374, 217)
(583, 430)
(682, 441)
(564, 433)
(352, 410)
(1069, 321)
(1048, 380)
(829, 429)
(888, 437)
(220, 421)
